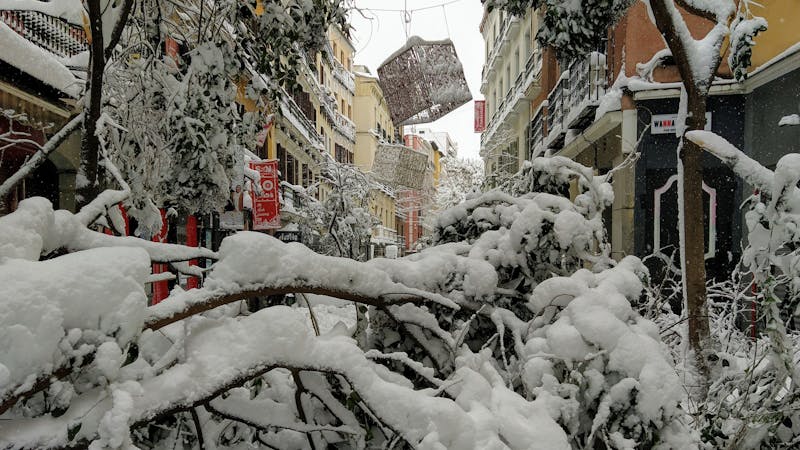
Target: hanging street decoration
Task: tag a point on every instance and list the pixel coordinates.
(423, 81)
(399, 166)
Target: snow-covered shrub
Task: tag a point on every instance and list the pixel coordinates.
(554, 331)
(554, 362)
(757, 396)
(460, 179)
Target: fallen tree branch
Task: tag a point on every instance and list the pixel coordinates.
(171, 314)
(41, 383)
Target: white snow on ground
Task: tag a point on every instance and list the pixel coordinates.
(37, 62)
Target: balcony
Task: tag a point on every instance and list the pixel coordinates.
(516, 101)
(340, 72)
(297, 118)
(556, 112)
(571, 104)
(509, 25)
(345, 126)
(538, 129)
(588, 83)
(344, 76)
(384, 235)
(47, 32)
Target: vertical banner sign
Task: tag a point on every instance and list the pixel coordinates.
(266, 206)
(480, 116)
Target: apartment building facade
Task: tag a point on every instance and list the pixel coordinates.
(39, 84)
(374, 126)
(601, 108)
(510, 80)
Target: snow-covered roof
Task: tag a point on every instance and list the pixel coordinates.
(37, 62)
(69, 10)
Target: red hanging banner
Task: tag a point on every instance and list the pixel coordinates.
(266, 205)
(480, 116)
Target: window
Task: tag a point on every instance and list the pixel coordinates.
(291, 176)
(306, 175)
(342, 155)
(281, 160)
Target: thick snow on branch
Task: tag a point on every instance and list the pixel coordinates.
(34, 229)
(64, 308)
(251, 262)
(226, 352)
(791, 119)
(744, 166)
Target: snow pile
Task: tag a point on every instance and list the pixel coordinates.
(64, 307)
(601, 364)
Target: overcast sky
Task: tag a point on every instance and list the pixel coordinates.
(382, 32)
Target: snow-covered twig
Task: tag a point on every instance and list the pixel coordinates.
(41, 156)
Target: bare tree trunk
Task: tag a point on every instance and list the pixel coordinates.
(99, 52)
(693, 231)
(694, 235)
(90, 143)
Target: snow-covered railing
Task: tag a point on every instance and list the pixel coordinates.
(516, 98)
(298, 119)
(345, 126)
(556, 111)
(50, 33)
(384, 235)
(491, 58)
(344, 76)
(538, 129)
(587, 81)
(321, 92)
(532, 67)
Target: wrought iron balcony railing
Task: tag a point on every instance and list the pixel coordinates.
(53, 34)
(588, 84)
(556, 111)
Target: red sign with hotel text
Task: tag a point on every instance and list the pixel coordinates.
(266, 205)
(480, 116)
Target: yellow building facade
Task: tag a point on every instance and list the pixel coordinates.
(373, 126)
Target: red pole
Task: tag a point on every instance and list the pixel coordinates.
(753, 315)
(160, 288)
(125, 218)
(191, 241)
